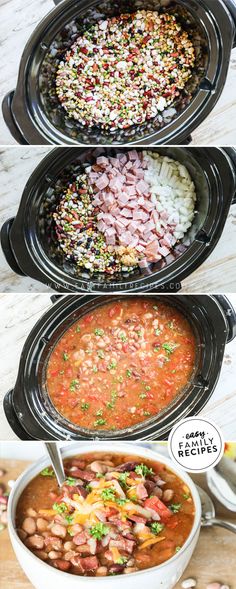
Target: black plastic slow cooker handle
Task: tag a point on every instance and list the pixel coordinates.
(231, 153)
(7, 249)
(231, 5)
(229, 314)
(9, 119)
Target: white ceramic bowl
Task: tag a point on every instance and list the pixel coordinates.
(43, 576)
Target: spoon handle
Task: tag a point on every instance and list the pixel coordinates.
(223, 524)
(56, 459)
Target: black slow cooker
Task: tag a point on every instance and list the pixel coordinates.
(28, 407)
(34, 115)
(29, 243)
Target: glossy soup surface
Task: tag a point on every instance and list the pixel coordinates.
(121, 363)
(115, 514)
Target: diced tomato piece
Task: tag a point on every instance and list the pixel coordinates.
(158, 506)
(114, 310)
(87, 319)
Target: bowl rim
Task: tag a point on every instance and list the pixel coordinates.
(84, 448)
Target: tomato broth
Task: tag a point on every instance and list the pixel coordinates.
(121, 363)
(115, 514)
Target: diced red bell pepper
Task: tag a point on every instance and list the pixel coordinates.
(157, 505)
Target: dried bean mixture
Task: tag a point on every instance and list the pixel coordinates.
(125, 70)
(115, 514)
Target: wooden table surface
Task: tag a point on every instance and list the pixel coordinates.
(217, 274)
(213, 559)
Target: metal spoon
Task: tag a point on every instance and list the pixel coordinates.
(208, 513)
(56, 459)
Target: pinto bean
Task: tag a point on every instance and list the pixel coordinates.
(53, 554)
(101, 572)
(130, 570)
(75, 529)
(35, 541)
(41, 524)
(31, 512)
(100, 467)
(70, 554)
(29, 525)
(53, 542)
(41, 554)
(59, 530)
(22, 534)
(69, 545)
(63, 565)
(168, 495)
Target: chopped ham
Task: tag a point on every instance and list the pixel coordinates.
(88, 563)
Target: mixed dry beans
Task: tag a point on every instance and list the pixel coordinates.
(125, 70)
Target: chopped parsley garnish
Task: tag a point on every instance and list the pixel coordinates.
(186, 496)
(122, 560)
(100, 421)
(143, 470)
(71, 482)
(60, 507)
(99, 475)
(122, 501)
(108, 494)
(69, 519)
(99, 412)
(112, 365)
(157, 331)
(77, 329)
(84, 406)
(123, 337)
(101, 354)
(65, 356)
(110, 405)
(99, 530)
(123, 478)
(142, 396)
(98, 331)
(74, 385)
(147, 413)
(156, 528)
(95, 369)
(88, 488)
(169, 348)
(175, 507)
(147, 387)
(129, 373)
(47, 472)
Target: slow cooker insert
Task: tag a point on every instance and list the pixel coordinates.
(32, 415)
(34, 114)
(29, 240)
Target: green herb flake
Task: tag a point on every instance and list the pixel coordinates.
(169, 348)
(122, 560)
(128, 373)
(65, 356)
(142, 396)
(121, 501)
(100, 421)
(143, 470)
(157, 331)
(123, 478)
(60, 507)
(108, 494)
(99, 331)
(84, 406)
(156, 528)
(175, 507)
(69, 519)
(101, 354)
(78, 329)
(99, 530)
(71, 482)
(112, 365)
(74, 385)
(186, 496)
(47, 472)
(99, 412)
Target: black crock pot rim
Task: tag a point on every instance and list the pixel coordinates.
(220, 328)
(172, 275)
(33, 134)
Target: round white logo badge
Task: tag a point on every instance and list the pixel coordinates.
(196, 444)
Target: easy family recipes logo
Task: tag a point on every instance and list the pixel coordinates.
(196, 444)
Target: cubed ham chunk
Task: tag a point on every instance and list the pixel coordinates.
(141, 491)
(102, 182)
(123, 544)
(88, 563)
